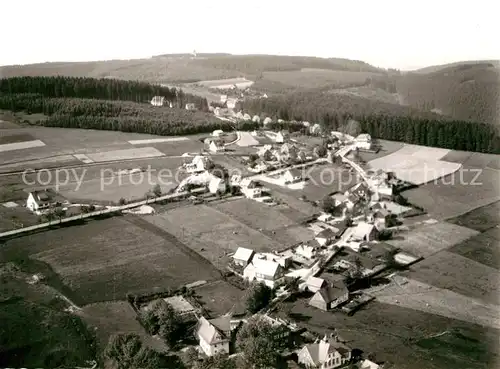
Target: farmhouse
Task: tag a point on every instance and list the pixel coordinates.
(216, 146)
(217, 185)
(314, 284)
(364, 232)
(160, 101)
(243, 256)
(326, 354)
(198, 164)
(363, 141)
(292, 176)
(39, 200)
(330, 296)
(214, 335)
(190, 106)
(265, 271)
(250, 188)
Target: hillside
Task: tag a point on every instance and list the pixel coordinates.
(437, 68)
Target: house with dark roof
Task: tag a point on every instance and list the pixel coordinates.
(39, 200)
(214, 335)
(330, 296)
(292, 176)
(328, 353)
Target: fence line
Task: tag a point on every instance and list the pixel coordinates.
(99, 212)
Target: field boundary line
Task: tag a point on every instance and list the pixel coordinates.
(110, 210)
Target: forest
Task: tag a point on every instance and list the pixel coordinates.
(406, 124)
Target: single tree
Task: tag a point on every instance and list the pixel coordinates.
(328, 204)
(259, 344)
(49, 215)
(59, 213)
(157, 190)
(169, 322)
(258, 296)
(122, 201)
(127, 351)
(190, 356)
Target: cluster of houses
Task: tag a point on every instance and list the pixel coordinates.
(162, 101)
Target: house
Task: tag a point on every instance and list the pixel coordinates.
(247, 117)
(381, 218)
(285, 261)
(190, 106)
(281, 137)
(361, 190)
(198, 164)
(289, 150)
(315, 129)
(363, 141)
(326, 236)
(266, 271)
(267, 121)
(223, 99)
(39, 200)
(276, 154)
(328, 353)
(325, 217)
(364, 232)
(218, 132)
(367, 364)
(339, 198)
(308, 250)
(217, 185)
(231, 103)
(314, 284)
(250, 188)
(256, 119)
(158, 101)
(301, 155)
(214, 335)
(265, 152)
(292, 176)
(243, 256)
(239, 115)
(330, 296)
(282, 333)
(216, 146)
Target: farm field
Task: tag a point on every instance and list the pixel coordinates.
(220, 297)
(473, 159)
(325, 180)
(416, 295)
(241, 83)
(459, 274)
(480, 219)
(385, 148)
(104, 260)
(318, 78)
(483, 248)
(431, 238)
(454, 195)
(211, 233)
(16, 217)
(391, 331)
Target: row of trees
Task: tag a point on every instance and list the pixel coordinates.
(401, 124)
(101, 89)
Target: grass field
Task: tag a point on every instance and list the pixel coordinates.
(459, 274)
(391, 331)
(429, 239)
(482, 248)
(384, 148)
(453, 196)
(103, 260)
(210, 232)
(318, 78)
(8, 139)
(11, 218)
(220, 297)
(480, 219)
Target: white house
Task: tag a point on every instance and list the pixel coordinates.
(243, 256)
(364, 232)
(325, 237)
(314, 284)
(266, 271)
(218, 132)
(315, 129)
(216, 146)
(231, 103)
(281, 137)
(363, 141)
(265, 152)
(256, 119)
(198, 164)
(239, 115)
(217, 185)
(223, 99)
(190, 106)
(38, 201)
(250, 188)
(367, 364)
(214, 335)
(328, 353)
(158, 101)
(291, 176)
(247, 117)
(308, 250)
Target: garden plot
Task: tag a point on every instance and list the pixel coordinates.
(127, 154)
(423, 297)
(220, 297)
(429, 239)
(459, 274)
(21, 145)
(416, 164)
(105, 259)
(211, 233)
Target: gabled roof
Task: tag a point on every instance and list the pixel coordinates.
(294, 172)
(265, 267)
(332, 291)
(326, 233)
(215, 329)
(243, 254)
(363, 229)
(315, 282)
(41, 197)
(312, 243)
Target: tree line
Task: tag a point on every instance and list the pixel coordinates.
(384, 121)
(116, 115)
(101, 89)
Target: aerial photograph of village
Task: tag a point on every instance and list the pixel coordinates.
(249, 211)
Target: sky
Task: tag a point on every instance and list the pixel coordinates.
(385, 33)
